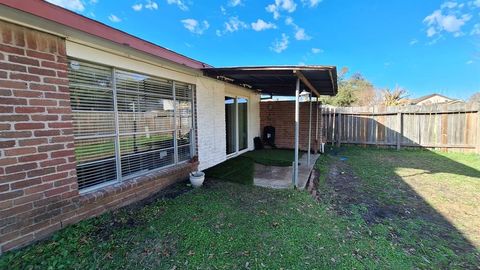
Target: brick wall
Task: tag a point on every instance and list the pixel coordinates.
(38, 186)
(211, 131)
(281, 115)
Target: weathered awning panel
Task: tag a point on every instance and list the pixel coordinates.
(280, 80)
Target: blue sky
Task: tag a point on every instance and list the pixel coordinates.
(423, 46)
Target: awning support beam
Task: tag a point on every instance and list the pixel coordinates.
(309, 129)
(305, 81)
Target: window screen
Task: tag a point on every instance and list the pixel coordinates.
(127, 123)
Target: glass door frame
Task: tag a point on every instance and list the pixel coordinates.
(237, 140)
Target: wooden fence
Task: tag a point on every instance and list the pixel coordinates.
(442, 126)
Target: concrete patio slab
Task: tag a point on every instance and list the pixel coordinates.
(281, 177)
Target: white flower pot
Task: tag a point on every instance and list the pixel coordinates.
(197, 178)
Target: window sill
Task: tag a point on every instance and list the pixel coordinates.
(114, 187)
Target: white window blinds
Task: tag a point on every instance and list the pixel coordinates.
(127, 123)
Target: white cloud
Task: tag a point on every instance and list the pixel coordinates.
(114, 18)
(195, 26)
(475, 3)
(151, 5)
(301, 35)
(279, 45)
(469, 62)
(223, 10)
(137, 7)
(311, 3)
(235, 3)
(289, 21)
(181, 5)
(317, 50)
(431, 32)
(281, 5)
(299, 32)
(261, 25)
(476, 29)
(413, 42)
(75, 5)
(233, 24)
(449, 4)
(438, 22)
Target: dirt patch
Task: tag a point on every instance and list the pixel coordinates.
(344, 190)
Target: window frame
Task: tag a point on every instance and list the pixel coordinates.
(117, 134)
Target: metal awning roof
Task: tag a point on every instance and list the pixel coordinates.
(280, 80)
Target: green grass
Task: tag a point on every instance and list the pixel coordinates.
(237, 170)
(230, 226)
(227, 226)
(241, 169)
(94, 150)
(430, 199)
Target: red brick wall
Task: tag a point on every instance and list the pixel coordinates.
(38, 186)
(281, 115)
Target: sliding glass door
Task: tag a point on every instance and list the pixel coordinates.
(230, 124)
(242, 104)
(236, 124)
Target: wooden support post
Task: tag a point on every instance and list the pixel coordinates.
(399, 130)
(339, 129)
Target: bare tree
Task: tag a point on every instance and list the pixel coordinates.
(475, 98)
(394, 97)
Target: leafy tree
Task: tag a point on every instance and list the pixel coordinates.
(365, 92)
(353, 91)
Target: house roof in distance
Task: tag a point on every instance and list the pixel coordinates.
(280, 80)
(420, 99)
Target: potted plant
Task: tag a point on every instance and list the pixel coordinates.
(197, 178)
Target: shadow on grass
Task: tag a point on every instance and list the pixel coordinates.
(428, 201)
(241, 169)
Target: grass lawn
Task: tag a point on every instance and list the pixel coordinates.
(241, 169)
(392, 214)
(273, 157)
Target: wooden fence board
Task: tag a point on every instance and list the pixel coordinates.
(444, 126)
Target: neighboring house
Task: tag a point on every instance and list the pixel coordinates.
(92, 118)
(432, 99)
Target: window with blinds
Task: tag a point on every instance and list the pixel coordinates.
(126, 124)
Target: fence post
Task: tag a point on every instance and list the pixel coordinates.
(399, 130)
(334, 126)
(339, 129)
(478, 128)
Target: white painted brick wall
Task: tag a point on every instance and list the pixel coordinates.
(211, 119)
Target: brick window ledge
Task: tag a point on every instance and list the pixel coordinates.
(157, 179)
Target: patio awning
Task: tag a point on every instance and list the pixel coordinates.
(280, 80)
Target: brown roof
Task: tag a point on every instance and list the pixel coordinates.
(280, 80)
